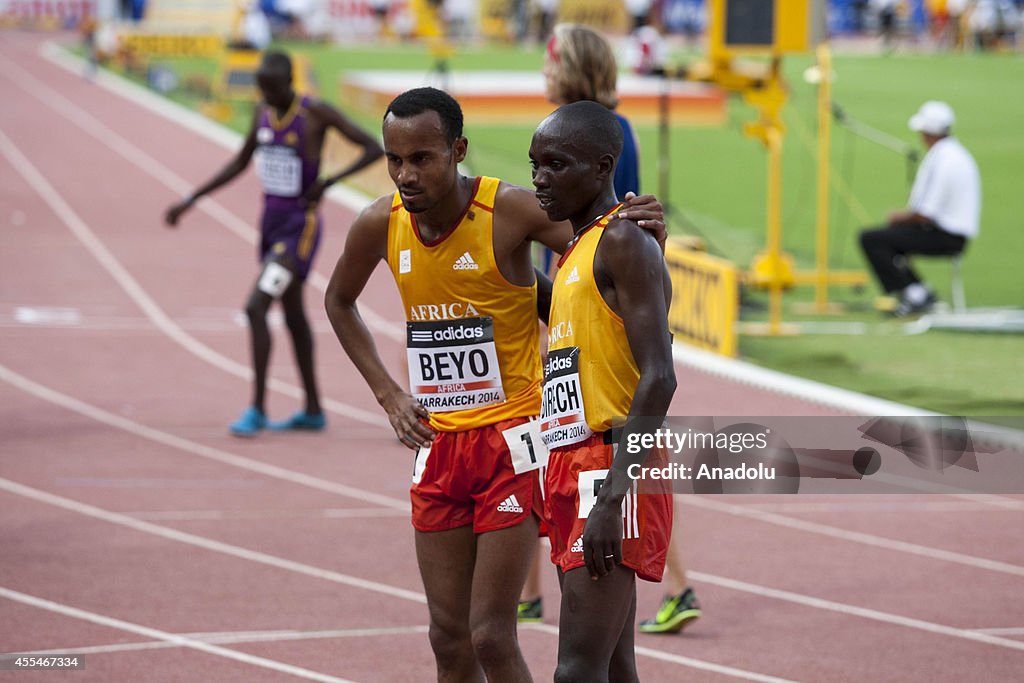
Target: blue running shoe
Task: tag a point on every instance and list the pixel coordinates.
(251, 422)
(301, 421)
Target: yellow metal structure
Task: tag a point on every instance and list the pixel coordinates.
(774, 28)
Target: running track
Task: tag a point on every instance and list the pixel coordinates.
(134, 530)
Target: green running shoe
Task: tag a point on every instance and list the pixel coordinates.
(675, 613)
(530, 611)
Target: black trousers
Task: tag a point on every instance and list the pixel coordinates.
(887, 249)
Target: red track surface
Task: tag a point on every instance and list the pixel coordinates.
(146, 528)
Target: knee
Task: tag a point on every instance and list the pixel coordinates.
(255, 311)
(449, 645)
(493, 643)
(295, 319)
(573, 671)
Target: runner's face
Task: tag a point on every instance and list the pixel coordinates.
(422, 164)
(275, 86)
(564, 176)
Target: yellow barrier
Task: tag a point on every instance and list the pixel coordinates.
(173, 45)
(705, 299)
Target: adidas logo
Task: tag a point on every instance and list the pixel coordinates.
(465, 262)
(510, 504)
(577, 547)
(574, 276)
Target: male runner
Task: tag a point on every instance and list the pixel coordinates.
(459, 250)
(286, 137)
(609, 357)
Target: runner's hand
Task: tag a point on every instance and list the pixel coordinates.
(648, 213)
(602, 539)
(174, 213)
(313, 193)
(408, 418)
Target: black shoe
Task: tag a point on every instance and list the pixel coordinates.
(905, 308)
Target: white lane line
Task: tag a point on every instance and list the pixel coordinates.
(152, 310)
(855, 536)
(201, 450)
(350, 199)
(238, 638)
(224, 515)
(680, 659)
(207, 543)
(176, 640)
(276, 562)
(993, 500)
(853, 610)
(1011, 631)
(875, 506)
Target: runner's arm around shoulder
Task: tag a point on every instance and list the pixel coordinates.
(633, 264)
(229, 172)
(519, 207)
(365, 247)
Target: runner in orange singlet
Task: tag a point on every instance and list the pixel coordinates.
(609, 357)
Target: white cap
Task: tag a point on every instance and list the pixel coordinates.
(934, 118)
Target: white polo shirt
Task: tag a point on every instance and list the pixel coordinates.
(947, 188)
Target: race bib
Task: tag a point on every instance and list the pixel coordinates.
(589, 484)
(525, 446)
(562, 418)
(453, 364)
(280, 170)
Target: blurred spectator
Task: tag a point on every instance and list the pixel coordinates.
(459, 17)
(993, 23)
(255, 28)
(646, 51)
(956, 11)
(886, 11)
(546, 11)
(640, 11)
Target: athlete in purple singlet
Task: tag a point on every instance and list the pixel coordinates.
(286, 138)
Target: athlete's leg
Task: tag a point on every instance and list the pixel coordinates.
(259, 338)
(502, 560)
(593, 620)
(446, 561)
(622, 668)
(302, 342)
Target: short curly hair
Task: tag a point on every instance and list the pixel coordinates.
(419, 100)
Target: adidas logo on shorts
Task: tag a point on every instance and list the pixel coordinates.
(577, 547)
(510, 504)
(465, 262)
